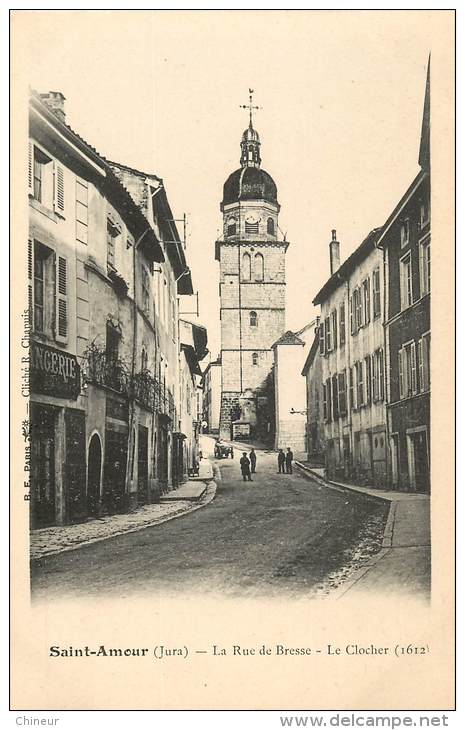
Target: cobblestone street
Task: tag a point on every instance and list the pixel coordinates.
(279, 535)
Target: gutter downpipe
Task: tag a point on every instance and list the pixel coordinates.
(131, 442)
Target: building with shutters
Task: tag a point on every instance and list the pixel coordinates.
(251, 255)
(352, 352)
(406, 241)
(106, 267)
(314, 407)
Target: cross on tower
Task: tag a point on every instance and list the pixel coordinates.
(249, 106)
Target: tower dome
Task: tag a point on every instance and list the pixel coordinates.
(250, 181)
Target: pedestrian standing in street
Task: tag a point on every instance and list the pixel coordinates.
(245, 467)
(253, 460)
(281, 460)
(289, 458)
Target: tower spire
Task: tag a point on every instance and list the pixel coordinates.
(250, 144)
(250, 107)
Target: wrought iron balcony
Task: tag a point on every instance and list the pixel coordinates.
(102, 368)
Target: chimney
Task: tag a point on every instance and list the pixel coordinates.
(334, 253)
(56, 103)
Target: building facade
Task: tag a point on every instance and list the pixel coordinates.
(406, 241)
(312, 372)
(251, 257)
(351, 345)
(212, 396)
(290, 352)
(103, 328)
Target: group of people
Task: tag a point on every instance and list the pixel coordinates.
(249, 463)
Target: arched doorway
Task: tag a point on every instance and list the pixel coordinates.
(94, 470)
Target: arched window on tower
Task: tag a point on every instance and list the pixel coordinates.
(270, 226)
(246, 267)
(253, 319)
(231, 227)
(254, 358)
(251, 156)
(259, 267)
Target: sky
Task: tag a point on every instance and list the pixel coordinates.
(341, 97)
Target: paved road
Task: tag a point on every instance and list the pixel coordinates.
(278, 535)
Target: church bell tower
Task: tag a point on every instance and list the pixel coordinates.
(251, 255)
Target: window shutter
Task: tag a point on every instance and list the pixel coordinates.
(352, 313)
(421, 381)
(59, 189)
(368, 302)
(325, 404)
(30, 169)
(30, 280)
(61, 329)
(414, 368)
(322, 337)
(381, 373)
(401, 374)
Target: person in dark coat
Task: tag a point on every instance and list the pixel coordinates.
(281, 460)
(245, 467)
(289, 458)
(253, 460)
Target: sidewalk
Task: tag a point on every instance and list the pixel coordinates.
(192, 495)
(402, 566)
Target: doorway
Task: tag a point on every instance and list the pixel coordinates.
(94, 472)
(418, 461)
(142, 465)
(42, 466)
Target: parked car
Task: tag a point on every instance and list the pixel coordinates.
(222, 451)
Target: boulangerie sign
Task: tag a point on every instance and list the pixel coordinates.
(288, 169)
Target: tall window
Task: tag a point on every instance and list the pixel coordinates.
(48, 291)
(404, 232)
(376, 294)
(270, 226)
(359, 383)
(406, 293)
(425, 267)
(342, 324)
(43, 171)
(342, 393)
(259, 267)
(325, 403)
(254, 358)
(424, 214)
(424, 346)
(321, 335)
(253, 319)
(334, 329)
(112, 343)
(368, 383)
(329, 409)
(356, 311)
(328, 340)
(377, 375)
(334, 383)
(407, 370)
(366, 301)
(246, 267)
(351, 389)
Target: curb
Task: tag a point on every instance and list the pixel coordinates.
(340, 487)
(208, 496)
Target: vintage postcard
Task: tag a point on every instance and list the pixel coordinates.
(232, 360)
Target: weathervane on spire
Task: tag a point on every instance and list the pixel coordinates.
(250, 106)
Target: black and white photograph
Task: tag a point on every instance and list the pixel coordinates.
(224, 294)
